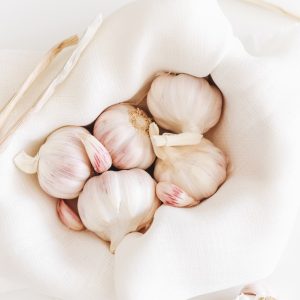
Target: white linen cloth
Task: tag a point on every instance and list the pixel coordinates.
(236, 236)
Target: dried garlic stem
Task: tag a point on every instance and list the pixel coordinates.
(159, 142)
(180, 139)
(26, 163)
(159, 151)
(61, 76)
(41, 67)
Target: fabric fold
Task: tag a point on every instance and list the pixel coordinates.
(223, 242)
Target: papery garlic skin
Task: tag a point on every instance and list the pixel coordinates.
(62, 163)
(117, 203)
(123, 130)
(68, 217)
(183, 103)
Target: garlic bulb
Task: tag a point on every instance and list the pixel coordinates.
(117, 203)
(123, 130)
(68, 217)
(183, 103)
(64, 162)
(198, 169)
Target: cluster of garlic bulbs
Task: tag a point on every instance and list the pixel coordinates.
(189, 168)
(113, 203)
(75, 164)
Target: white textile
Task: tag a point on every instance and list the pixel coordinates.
(236, 236)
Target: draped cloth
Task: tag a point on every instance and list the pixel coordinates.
(236, 236)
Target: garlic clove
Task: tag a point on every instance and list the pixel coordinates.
(68, 217)
(97, 153)
(171, 194)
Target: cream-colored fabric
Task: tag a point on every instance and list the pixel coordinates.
(234, 237)
(286, 7)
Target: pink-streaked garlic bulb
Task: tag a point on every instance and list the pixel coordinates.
(193, 172)
(124, 131)
(116, 203)
(65, 161)
(184, 103)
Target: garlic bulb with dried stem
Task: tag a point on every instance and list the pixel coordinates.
(124, 130)
(183, 103)
(116, 203)
(65, 161)
(198, 170)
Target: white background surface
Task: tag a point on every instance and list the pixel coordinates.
(37, 25)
